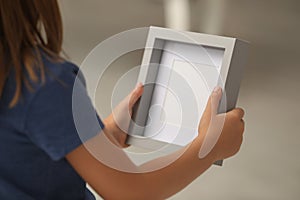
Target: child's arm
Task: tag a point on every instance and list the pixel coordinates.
(160, 184)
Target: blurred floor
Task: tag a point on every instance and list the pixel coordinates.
(268, 165)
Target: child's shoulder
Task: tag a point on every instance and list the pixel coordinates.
(59, 79)
(57, 68)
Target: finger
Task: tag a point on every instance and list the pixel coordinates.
(214, 101)
(135, 94)
(238, 112)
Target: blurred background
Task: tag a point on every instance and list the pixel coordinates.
(268, 165)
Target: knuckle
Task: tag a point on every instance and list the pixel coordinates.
(239, 114)
(241, 110)
(233, 115)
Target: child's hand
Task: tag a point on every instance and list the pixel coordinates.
(117, 123)
(221, 134)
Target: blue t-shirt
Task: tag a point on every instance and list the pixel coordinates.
(37, 133)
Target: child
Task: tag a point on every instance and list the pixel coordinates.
(41, 154)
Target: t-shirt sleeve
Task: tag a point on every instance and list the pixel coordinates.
(61, 116)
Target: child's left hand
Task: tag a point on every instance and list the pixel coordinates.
(117, 123)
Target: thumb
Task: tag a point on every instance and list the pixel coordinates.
(135, 95)
(213, 102)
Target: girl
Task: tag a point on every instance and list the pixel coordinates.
(41, 154)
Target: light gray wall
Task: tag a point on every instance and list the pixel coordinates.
(268, 165)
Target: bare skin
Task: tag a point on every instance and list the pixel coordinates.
(165, 182)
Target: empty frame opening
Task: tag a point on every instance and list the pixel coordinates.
(186, 75)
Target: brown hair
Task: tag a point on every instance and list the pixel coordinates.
(26, 26)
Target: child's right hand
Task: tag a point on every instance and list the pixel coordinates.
(221, 135)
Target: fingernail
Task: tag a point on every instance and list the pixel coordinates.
(217, 89)
(138, 85)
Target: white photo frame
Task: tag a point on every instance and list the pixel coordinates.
(171, 53)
